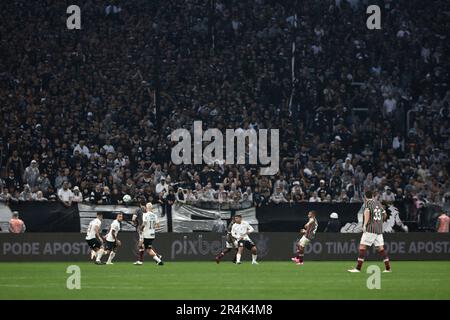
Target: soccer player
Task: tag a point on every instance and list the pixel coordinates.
(308, 234)
(374, 215)
(94, 239)
(240, 231)
(231, 243)
(137, 221)
(112, 242)
(149, 225)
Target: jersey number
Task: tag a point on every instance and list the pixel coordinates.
(377, 214)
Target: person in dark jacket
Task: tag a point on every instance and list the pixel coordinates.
(334, 225)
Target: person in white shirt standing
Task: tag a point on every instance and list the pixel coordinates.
(94, 239)
(112, 242)
(65, 195)
(148, 227)
(240, 231)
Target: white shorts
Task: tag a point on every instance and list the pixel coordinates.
(231, 245)
(304, 241)
(372, 239)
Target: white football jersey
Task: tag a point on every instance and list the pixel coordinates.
(90, 234)
(149, 220)
(240, 229)
(115, 226)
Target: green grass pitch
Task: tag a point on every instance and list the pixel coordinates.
(207, 280)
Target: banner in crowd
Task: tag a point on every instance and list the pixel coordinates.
(88, 212)
(204, 247)
(187, 218)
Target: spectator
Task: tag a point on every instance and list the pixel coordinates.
(65, 195)
(334, 225)
(77, 196)
(443, 222)
(26, 194)
(39, 196)
(314, 198)
(31, 174)
(16, 225)
(278, 196)
(387, 196)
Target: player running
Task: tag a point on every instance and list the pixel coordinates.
(374, 215)
(137, 221)
(94, 239)
(231, 243)
(308, 234)
(149, 225)
(112, 242)
(240, 231)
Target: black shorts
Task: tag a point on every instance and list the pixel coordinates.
(110, 245)
(148, 243)
(246, 244)
(94, 243)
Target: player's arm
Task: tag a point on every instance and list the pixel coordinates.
(310, 221)
(134, 217)
(250, 229)
(366, 218)
(97, 234)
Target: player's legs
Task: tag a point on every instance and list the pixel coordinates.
(228, 247)
(300, 254)
(367, 240)
(97, 248)
(239, 253)
(141, 252)
(254, 251)
(379, 244)
(112, 247)
(301, 250)
(152, 253)
(361, 256)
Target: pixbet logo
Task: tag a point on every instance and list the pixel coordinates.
(257, 143)
(195, 247)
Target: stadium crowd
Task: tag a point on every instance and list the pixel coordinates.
(369, 110)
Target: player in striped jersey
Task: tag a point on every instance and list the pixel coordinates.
(374, 215)
(137, 221)
(230, 244)
(308, 234)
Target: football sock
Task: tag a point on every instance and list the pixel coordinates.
(362, 254)
(385, 258)
(141, 255)
(99, 255)
(254, 256)
(220, 255)
(112, 254)
(238, 257)
(156, 258)
(300, 253)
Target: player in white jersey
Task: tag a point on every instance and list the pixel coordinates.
(112, 242)
(240, 231)
(94, 239)
(149, 225)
